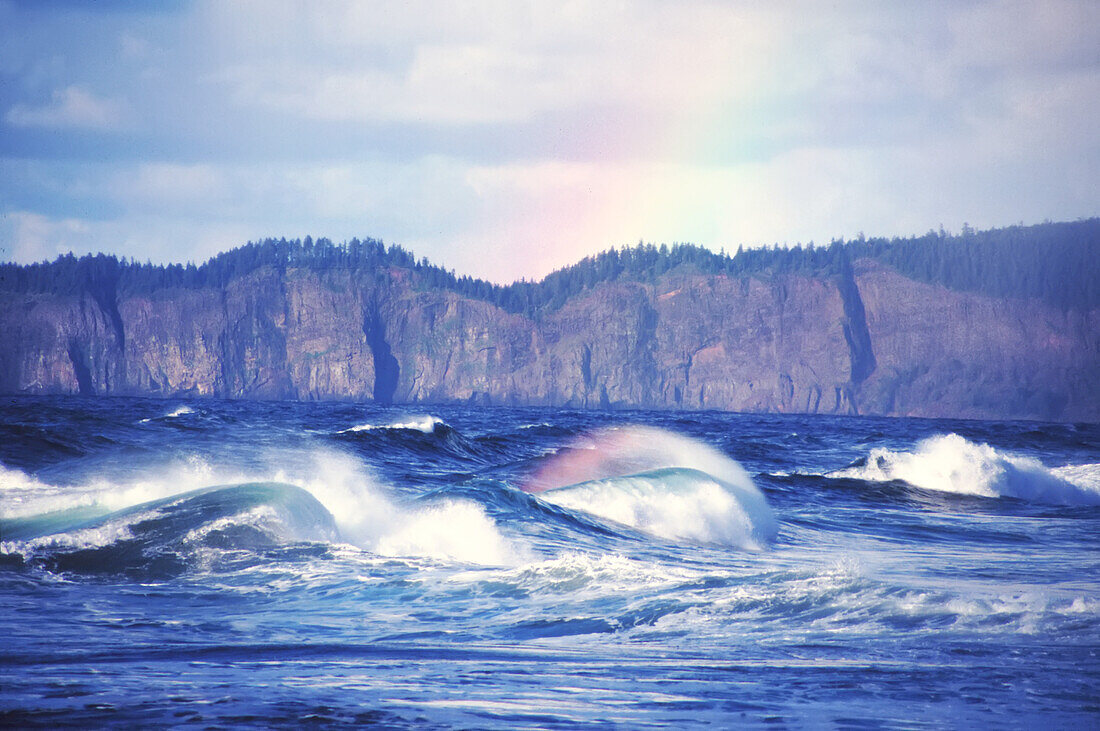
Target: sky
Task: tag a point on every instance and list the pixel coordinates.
(508, 139)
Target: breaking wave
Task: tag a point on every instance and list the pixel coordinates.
(661, 483)
(38, 517)
(951, 463)
(674, 502)
(162, 537)
(369, 516)
(176, 412)
(426, 424)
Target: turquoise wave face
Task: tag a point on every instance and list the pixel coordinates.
(163, 536)
(679, 503)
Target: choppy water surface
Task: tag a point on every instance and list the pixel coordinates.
(226, 563)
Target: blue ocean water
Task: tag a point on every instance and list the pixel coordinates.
(226, 564)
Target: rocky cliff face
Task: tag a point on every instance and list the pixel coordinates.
(941, 352)
(867, 341)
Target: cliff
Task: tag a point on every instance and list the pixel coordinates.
(864, 339)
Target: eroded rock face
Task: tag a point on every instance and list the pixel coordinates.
(58, 345)
(942, 352)
(174, 342)
(867, 341)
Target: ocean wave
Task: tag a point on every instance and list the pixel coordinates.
(426, 424)
(369, 517)
(14, 483)
(661, 483)
(429, 438)
(843, 596)
(367, 513)
(174, 413)
(162, 537)
(950, 463)
(1086, 476)
(674, 503)
(25, 495)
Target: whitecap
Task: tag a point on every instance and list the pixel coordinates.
(367, 516)
(426, 423)
(365, 509)
(677, 503)
(178, 411)
(659, 482)
(951, 463)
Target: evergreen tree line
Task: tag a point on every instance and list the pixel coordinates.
(1056, 262)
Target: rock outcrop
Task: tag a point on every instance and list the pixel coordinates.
(867, 341)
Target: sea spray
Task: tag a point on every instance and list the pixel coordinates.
(660, 482)
(366, 511)
(368, 516)
(952, 463)
(422, 423)
(114, 489)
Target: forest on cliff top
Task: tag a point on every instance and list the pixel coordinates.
(1055, 262)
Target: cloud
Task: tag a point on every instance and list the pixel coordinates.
(488, 63)
(507, 138)
(149, 209)
(71, 107)
(30, 237)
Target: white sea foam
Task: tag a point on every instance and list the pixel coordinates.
(676, 504)
(951, 463)
(25, 495)
(365, 511)
(17, 489)
(662, 483)
(575, 574)
(368, 517)
(451, 529)
(1083, 475)
(102, 535)
(426, 423)
(178, 411)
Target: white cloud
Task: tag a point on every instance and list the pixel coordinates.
(471, 63)
(71, 107)
(171, 186)
(29, 237)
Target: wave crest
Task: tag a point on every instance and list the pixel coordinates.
(162, 537)
(951, 463)
(367, 512)
(674, 503)
(659, 482)
(369, 517)
(174, 413)
(426, 423)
